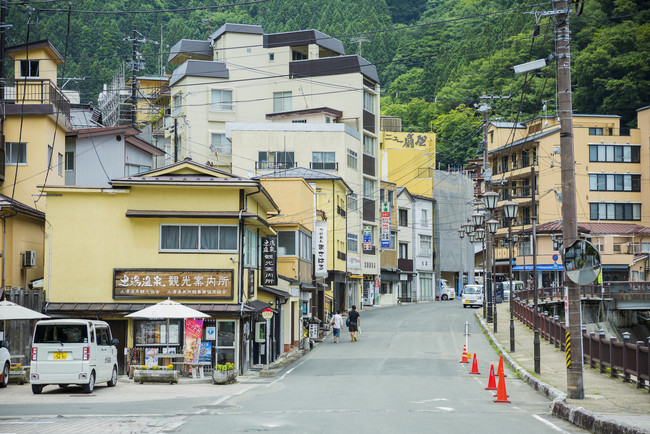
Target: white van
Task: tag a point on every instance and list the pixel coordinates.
(73, 351)
(446, 291)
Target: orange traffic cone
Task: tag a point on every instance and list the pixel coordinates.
(500, 372)
(464, 359)
(475, 366)
(492, 385)
(502, 396)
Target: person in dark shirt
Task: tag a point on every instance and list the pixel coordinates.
(355, 322)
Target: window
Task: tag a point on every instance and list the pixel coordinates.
(155, 332)
(595, 131)
(403, 251)
(299, 121)
(504, 164)
(281, 101)
(297, 55)
(16, 152)
(382, 194)
(177, 104)
(305, 247)
(368, 188)
(369, 145)
(271, 57)
(29, 69)
(425, 245)
(221, 100)
(614, 211)
(615, 153)
(69, 161)
(353, 243)
(276, 160)
(353, 201)
(50, 151)
(425, 216)
(525, 162)
(286, 243)
(353, 159)
(323, 161)
(614, 182)
(198, 237)
(59, 164)
(369, 102)
(403, 217)
(391, 197)
(393, 236)
(513, 157)
(220, 145)
(251, 247)
(225, 344)
(134, 169)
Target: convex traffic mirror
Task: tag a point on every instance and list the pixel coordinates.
(582, 262)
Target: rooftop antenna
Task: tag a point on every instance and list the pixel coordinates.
(360, 40)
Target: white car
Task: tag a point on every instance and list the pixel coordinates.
(472, 295)
(5, 363)
(73, 351)
(446, 291)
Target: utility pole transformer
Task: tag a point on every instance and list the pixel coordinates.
(561, 10)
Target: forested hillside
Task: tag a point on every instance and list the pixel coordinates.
(435, 58)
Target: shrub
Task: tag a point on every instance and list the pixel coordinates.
(225, 366)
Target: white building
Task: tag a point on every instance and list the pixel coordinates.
(423, 246)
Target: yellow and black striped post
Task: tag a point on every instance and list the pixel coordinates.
(567, 340)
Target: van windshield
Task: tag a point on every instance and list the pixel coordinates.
(472, 290)
(61, 333)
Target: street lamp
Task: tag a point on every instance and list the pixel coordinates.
(478, 218)
(490, 200)
(461, 233)
(510, 211)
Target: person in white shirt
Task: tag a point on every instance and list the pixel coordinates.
(336, 322)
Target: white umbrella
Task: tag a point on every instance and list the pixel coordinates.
(9, 311)
(167, 310)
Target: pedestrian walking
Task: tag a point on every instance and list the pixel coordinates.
(355, 321)
(336, 322)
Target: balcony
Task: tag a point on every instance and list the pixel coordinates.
(323, 166)
(161, 95)
(340, 255)
(34, 93)
(405, 264)
(269, 165)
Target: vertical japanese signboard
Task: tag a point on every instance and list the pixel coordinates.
(385, 225)
(321, 249)
(270, 260)
(193, 332)
(367, 238)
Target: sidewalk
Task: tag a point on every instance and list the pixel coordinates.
(609, 405)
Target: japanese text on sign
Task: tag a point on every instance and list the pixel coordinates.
(321, 249)
(385, 225)
(164, 283)
(269, 260)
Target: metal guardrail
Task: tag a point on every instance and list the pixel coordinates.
(607, 290)
(624, 359)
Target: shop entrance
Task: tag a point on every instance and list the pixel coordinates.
(119, 330)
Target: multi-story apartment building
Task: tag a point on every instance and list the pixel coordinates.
(612, 188)
(423, 246)
(406, 245)
(249, 102)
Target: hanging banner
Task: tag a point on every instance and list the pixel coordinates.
(385, 225)
(270, 260)
(367, 238)
(193, 332)
(321, 248)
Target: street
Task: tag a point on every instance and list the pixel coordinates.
(402, 375)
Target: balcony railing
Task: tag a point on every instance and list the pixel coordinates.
(272, 165)
(36, 92)
(323, 166)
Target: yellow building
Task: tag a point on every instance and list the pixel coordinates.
(341, 265)
(611, 181)
(35, 119)
(186, 232)
(409, 159)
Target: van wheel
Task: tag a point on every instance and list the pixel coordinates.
(63, 386)
(444, 296)
(464, 306)
(37, 389)
(5, 376)
(88, 388)
(113, 381)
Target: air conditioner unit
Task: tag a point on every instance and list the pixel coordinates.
(28, 259)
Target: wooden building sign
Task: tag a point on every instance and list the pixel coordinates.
(163, 283)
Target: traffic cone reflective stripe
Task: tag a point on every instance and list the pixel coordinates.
(492, 385)
(475, 366)
(500, 372)
(464, 359)
(502, 396)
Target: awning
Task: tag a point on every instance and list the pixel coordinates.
(616, 267)
(259, 306)
(119, 308)
(355, 276)
(389, 276)
(540, 267)
(277, 292)
(503, 262)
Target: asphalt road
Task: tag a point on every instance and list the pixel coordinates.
(402, 375)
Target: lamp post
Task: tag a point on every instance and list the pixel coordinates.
(490, 200)
(510, 211)
(461, 234)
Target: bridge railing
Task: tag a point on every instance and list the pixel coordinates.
(607, 290)
(624, 359)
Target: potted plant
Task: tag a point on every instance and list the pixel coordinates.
(224, 373)
(19, 374)
(155, 374)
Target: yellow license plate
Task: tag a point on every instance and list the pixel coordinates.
(60, 356)
(466, 302)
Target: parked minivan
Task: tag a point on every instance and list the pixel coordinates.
(446, 292)
(73, 351)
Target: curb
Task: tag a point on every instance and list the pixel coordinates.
(578, 416)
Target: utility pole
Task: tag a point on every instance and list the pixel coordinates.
(561, 10)
(3, 45)
(536, 348)
(484, 109)
(136, 65)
